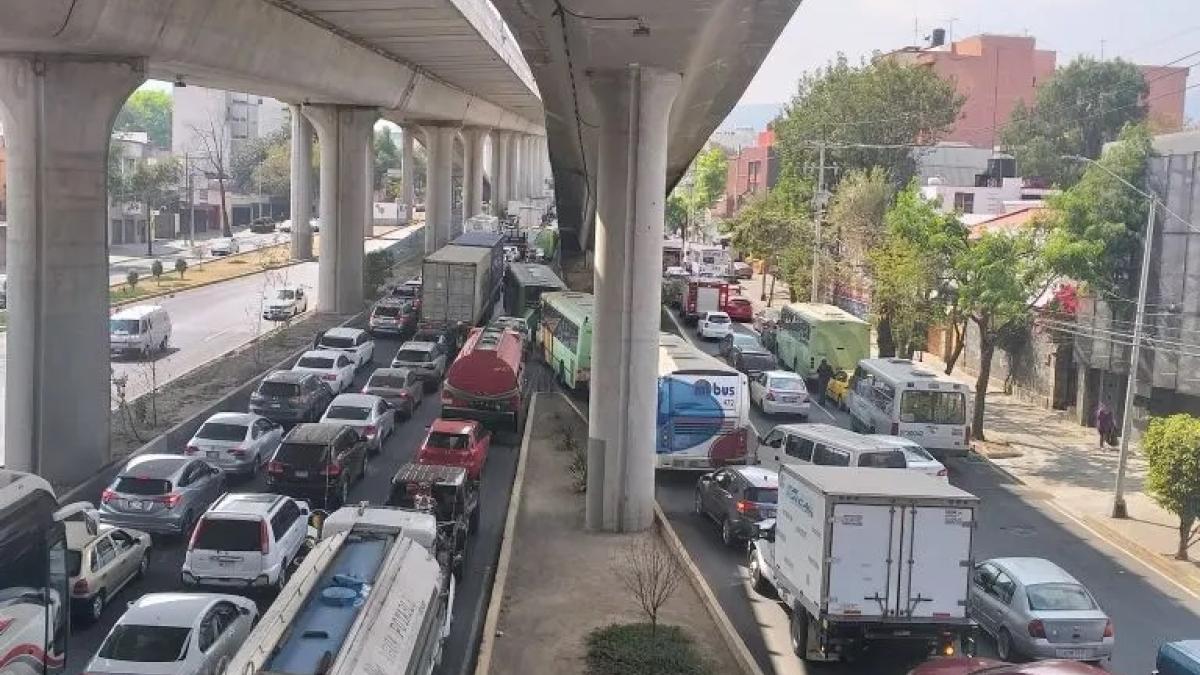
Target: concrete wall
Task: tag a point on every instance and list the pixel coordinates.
(1038, 371)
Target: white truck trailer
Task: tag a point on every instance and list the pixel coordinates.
(862, 556)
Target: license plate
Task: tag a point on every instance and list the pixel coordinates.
(789, 399)
(276, 405)
(1073, 653)
(301, 474)
(135, 505)
(212, 454)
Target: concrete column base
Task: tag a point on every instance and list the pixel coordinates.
(344, 134)
(473, 170)
(57, 112)
(301, 206)
(439, 146)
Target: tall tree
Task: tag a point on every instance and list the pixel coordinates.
(387, 156)
(154, 183)
(274, 174)
(249, 154)
(1084, 106)
(771, 228)
(147, 110)
(214, 154)
(880, 102)
(709, 175)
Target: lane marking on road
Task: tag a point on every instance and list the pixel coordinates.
(822, 408)
(216, 335)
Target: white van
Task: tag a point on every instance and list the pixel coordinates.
(141, 330)
(826, 445)
(902, 398)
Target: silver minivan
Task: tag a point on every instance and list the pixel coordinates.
(826, 445)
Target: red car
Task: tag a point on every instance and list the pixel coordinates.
(462, 443)
(978, 666)
(739, 309)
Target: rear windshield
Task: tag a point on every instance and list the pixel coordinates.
(315, 362)
(884, 459)
(406, 291)
(142, 486)
(387, 381)
(743, 340)
(281, 389)
(220, 534)
(787, 384)
(758, 361)
(445, 441)
(933, 407)
(348, 412)
(129, 326)
(285, 295)
(412, 355)
(301, 454)
(1059, 596)
(427, 336)
(217, 431)
(74, 562)
(762, 495)
(337, 342)
(717, 318)
(145, 644)
(387, 310)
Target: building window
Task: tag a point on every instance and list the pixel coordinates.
(752, 170)
(964, 202)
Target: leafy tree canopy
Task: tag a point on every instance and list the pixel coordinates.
(1172, 449)
(147, 110)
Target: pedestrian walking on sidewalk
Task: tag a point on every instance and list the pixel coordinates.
(1105, 423)
(824, 375)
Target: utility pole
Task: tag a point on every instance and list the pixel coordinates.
(191, 196)
(818, 215)
(1135, 350)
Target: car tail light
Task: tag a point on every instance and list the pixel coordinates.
(1108, 630)
(238, 452)
(744, 506)
(196, 534)
(80, 587)
(363, 390)
(370, 430)
(274, 467)
(1037, 629)
(403, 393)
(172, 500)
(264, 538)
(770, 396)
(331, 470)
(329, 376)
(895, 428)
(191, 450)
(107, 496)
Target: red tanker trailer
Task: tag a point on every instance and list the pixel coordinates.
(487, 380)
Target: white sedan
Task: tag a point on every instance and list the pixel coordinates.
(714, 326)
(176, 634)
(237, 442)
(335, 368)
(916, 457)
(369, 415)
(355, 342)
(780, 392)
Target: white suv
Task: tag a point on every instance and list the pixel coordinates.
(714, 326)
(354, 342)
(246, 541)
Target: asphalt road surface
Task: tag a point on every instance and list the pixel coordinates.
(471, 596)
(1145, 608)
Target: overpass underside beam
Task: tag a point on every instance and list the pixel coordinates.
(57, 112)
(635, 105)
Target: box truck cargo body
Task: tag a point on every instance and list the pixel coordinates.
(456, 286)
(863, 555)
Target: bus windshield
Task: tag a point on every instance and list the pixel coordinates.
(933, 407)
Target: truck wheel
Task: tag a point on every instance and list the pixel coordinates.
(798, 628)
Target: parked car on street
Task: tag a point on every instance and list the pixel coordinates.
(369, 415)
(753, 361)
(427, 360)
(335, 368)
(176, 634)
(286, 302)
(101, 560)
(289, 396)
(714, 326)
(392, 316)
(462, 443)
(318, 461)
(739, 308)
(1035, 609)
(354, 342)
(238, 443)
(742, 270)
(161, 494)
(224, 246)
(246, 541)
(973, 665)
(735, 339)
(737, 498)
(918, 458)
(780, 392)
(400, 387)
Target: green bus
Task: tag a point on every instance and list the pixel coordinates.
(565, 336)
(809, 332)
(523, 287)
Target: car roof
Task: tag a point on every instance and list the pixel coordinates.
(758, 476)
(355, 400)
(1034, 570)
(417, 345)
(169, 609)
(78, 535)
(783, 374)
(342, 331)
(897, 441)
(844, 438)
(245, 503)
(233, 418)
(314, 432)
(156, 465)
(136, 312)
(289, 376)
(716, 314)
(444, 426)
(398, 371)
(325, 353)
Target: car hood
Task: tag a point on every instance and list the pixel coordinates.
(280, 304)
(99, 665)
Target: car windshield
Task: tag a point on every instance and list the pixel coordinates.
(386, 381)
(226, 534)
(129, 326)
(280, 389)
(743, 340)
(1059, 597)
(319, 362)
(762, 495)
(348, 412)
(219, 431)
(145, 644)
(917, 453)
(883, 459)
(933, 407)
(301, 454)
(412, 355)
(786, 384)
(718, 318)
(334, 342)
(387, 310)
(74, 562)
(406, 291)
(444, 441)
(285, 294)
(132, 485)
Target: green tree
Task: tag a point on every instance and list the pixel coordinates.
(856, 223)
(147, 110)
(1084, 106)
(274, 175)
(1172, 449)
(676, 212)
(770, 227)
(709, 175)
(154, 184)
(156, 270)
(387, 156)
(180, 266)
(250, 155)
(880, 102)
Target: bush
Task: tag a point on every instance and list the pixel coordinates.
(639, 649)
(377, 267)
(156, 269)
(131, 278)
(578, 468)
(180, 266)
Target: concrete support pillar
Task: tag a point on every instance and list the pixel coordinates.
(343, 131)
(473, 138)
(409, 188)
(635, 105)
(439, 149)
(531, 167)
(369, 196)
(57, 112)
(302, 137)
(500, 172)
(514, 169)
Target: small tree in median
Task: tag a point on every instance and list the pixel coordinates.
(156, 270)
(180, 266)
(1172, 449)
(651, 574)
(131, 278)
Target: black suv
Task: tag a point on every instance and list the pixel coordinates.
(287, 396)
(318, 461)
(737, 498)
(752, 361)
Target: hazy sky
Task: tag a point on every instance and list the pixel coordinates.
(1150, 32)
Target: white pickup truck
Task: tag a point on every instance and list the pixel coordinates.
(862, 556)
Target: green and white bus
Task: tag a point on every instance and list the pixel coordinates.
(565, 336)
(523, 288)
(809, 332)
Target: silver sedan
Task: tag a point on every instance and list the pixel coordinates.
(239, 443)
(1035, 609)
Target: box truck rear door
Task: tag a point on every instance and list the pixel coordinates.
(937, 541)
(861, 566)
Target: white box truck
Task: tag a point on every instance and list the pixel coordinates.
(458, 285)
(861, 556)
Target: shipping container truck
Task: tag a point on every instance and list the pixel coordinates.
(865, 557)
(457, 285)
(489, 240)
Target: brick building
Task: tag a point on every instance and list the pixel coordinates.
(752, 170)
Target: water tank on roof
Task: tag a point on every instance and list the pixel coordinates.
(938, 38)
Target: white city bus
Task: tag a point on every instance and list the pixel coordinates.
(703, 409)
(902, 398)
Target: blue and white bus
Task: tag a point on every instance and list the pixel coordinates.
(703, 409)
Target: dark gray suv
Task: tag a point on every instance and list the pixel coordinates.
(737, 498)
(288, 397)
